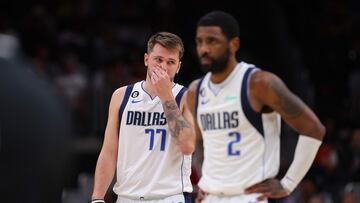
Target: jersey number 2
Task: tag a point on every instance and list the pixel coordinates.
(152, 132)
(231, 151)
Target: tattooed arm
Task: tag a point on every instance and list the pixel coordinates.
(179, 118)
(267, 90)
(180, 123)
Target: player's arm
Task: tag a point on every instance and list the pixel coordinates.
(190, 120)
(179, 127)
(180, 124)
(106, 163)
(198, 155)
(191, 104)
(268, 90)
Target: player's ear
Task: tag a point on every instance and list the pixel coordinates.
(146, 59)
(235, 44)
(178, 69)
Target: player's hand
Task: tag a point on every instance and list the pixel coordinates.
(200, 196)
(269, 188)
(162, 83)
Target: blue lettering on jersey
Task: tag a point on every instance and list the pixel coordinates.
(219, 120)
(152, 133)
(142, 118)
(156, 118)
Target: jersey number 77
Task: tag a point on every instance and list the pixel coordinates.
(157, 132)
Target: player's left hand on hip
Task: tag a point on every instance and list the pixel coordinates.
(269, 188)
(200, 196)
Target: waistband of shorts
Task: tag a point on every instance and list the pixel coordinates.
(223, 194)
(151, 198)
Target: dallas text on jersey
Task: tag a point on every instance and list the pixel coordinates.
(141, 118)
(219, 120)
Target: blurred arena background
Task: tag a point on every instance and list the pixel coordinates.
(72, 54)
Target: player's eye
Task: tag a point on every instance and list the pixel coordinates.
(159, 60)
(171, 62)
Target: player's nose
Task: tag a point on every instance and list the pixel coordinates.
(203, 49)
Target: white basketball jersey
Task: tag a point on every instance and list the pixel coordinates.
(150, 165)
(241, 147)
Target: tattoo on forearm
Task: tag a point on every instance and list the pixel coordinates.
(290, 104)
(174, 118)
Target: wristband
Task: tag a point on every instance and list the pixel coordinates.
(304, 156)
(97, 201)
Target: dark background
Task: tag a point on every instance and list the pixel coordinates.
(82, 50)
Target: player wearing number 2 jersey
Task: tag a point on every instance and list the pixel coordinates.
(237, 108)
(236, 135)
(149, 136)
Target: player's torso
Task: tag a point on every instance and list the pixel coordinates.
(234, 149)
(150, 165)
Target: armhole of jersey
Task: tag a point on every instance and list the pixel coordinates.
(128, 91)
(180, 95)
(254, 117)
(197, 95)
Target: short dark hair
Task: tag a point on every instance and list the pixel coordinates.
(225, 21)
(167, 40)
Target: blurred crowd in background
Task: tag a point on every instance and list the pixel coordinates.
(82, 50)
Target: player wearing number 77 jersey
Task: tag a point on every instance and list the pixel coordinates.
(237, 108)
(149, 136)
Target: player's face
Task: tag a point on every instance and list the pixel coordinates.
(166, 59)
(213, 48)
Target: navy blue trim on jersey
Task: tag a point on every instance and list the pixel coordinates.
(187, 197)
(251, 115)
(142, 87)
(274, 201)
(128, 91)
(197, 95)
(180, 95)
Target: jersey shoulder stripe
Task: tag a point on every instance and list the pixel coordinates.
(197, 95)
(180, 95)
(128, 91)
(253, 117)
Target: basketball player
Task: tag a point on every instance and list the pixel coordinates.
(237, 108)
(149, 136)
